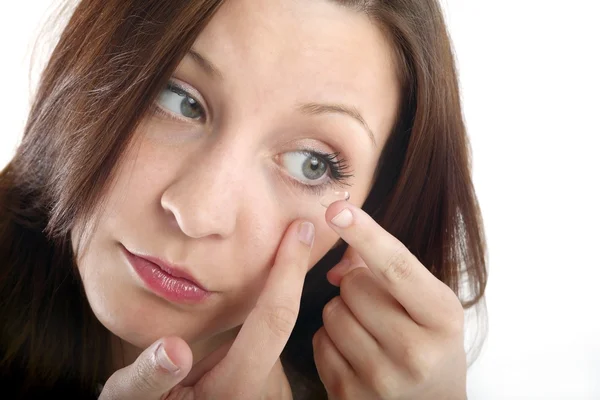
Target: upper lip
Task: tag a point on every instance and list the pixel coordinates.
(172, 269)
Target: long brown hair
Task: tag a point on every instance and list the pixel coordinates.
(108, 66)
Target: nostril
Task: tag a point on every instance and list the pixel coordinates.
(172, 219)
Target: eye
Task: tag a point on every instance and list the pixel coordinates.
(307, 167)
(179, 102)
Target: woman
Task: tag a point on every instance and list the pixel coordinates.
(161, 234)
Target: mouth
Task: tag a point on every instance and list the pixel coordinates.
(166, 280)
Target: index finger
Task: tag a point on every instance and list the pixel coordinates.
(267, 329)
(401, 273)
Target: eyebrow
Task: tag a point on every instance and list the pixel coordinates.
(306, 108)
(325, 108)
(206, 65)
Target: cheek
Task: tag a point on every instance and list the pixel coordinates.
(310, 210)
(238, 265)
(101, 277)
(275, 209)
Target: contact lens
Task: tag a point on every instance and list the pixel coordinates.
(332, 197)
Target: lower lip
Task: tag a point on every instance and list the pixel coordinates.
(171, 288)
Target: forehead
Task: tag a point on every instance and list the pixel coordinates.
(295, 51)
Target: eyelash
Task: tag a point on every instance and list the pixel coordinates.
(337, 167)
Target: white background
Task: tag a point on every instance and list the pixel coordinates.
(530, 83)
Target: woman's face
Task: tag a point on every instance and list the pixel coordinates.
(283, 102)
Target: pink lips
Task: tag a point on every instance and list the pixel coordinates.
(167, 280)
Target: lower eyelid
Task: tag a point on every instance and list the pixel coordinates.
(306, 183)
(158, 109)
(312, 189)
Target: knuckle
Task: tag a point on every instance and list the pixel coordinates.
(398, 266)
(280, 319)
(317, 340)
(384, 382)
(455, 314)
(456, 324)
(337, 388)
(336, 381)
(144, 378)
(351, 280)
(108, 391)
(418, 362)
(330, 309)
(178, 393)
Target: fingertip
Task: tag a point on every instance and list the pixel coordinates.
(335, 208)
(335, 274)
(334, 278)
(179, 353)
(341, 216)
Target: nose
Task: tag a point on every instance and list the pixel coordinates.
(203, 198)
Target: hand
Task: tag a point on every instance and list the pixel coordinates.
(246, 368)
(395, 331)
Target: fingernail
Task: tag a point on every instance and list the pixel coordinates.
(343, 219)
(306, 233)
(164, 360)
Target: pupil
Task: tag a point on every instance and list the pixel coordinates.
(314, 164)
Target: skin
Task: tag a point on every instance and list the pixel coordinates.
(213, 196)
(418, 353)
(217, 196)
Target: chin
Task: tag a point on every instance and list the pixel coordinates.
(141, 318)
